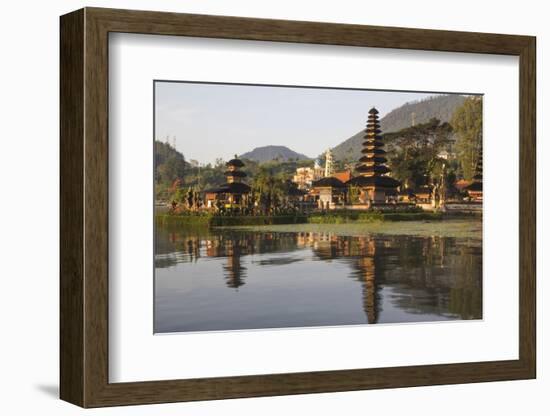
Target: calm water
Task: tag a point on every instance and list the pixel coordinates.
(233, 279)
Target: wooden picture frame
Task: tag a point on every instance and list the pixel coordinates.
(84, 207)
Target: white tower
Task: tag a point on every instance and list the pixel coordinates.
(328, 163)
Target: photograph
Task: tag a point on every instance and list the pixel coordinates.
(295, 207)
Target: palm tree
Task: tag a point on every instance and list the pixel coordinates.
(269, 190)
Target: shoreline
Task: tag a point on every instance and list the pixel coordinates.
(331, 217)
(469, 226)
(458, 228)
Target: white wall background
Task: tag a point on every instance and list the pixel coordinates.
(29, 206)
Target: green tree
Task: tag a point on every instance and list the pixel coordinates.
(269, 189)
(173, 168)
(179, 196)
(414, 149)
(169, 164)
(467, 124)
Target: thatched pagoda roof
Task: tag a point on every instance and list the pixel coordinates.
(329, 181)
(477, 184)
(376, 151)
(230, 188)
(376, 131)
(294, 191)
(235, 173)
(373, 143)
(381, 181)
(375, 159)
(238, 163)
(381, 169)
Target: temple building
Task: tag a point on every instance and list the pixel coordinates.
(475, 189)
(424, 194)
(406, 195)
(234, 193)
(305, 176)
(373, 181)
(329, 193)
(294, 195)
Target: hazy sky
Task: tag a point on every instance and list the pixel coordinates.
(213, 121)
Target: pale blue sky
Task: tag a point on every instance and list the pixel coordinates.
(213, 121)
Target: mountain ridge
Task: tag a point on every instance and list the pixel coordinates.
(268, 153)
(441, 107)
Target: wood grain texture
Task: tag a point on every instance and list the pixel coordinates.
(96, 219)
(527, 207)
(71, 208)
(162, 23)
(84, 207)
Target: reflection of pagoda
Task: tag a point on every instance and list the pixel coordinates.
(373, 181)
(366, 269)
(475, 189)
(234, 271)
(361, 252)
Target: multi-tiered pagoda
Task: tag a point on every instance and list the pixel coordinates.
(234, 174)
(373, 179)
(475, 189)
(234, 192)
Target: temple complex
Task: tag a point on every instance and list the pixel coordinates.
(373, 181)
(367, 186)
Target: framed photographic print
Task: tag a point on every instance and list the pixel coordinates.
(255, 207)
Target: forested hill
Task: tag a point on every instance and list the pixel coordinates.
(440, 107)
(270, 153)
(169, 163)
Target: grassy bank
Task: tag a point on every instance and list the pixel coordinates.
(209, 220)
(361, 217)
(331, 217)
(223, 221)
(457, 228)
(183, 220)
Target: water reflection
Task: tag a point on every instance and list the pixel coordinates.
(282, 279)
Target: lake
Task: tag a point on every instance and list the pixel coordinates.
(317, 275)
